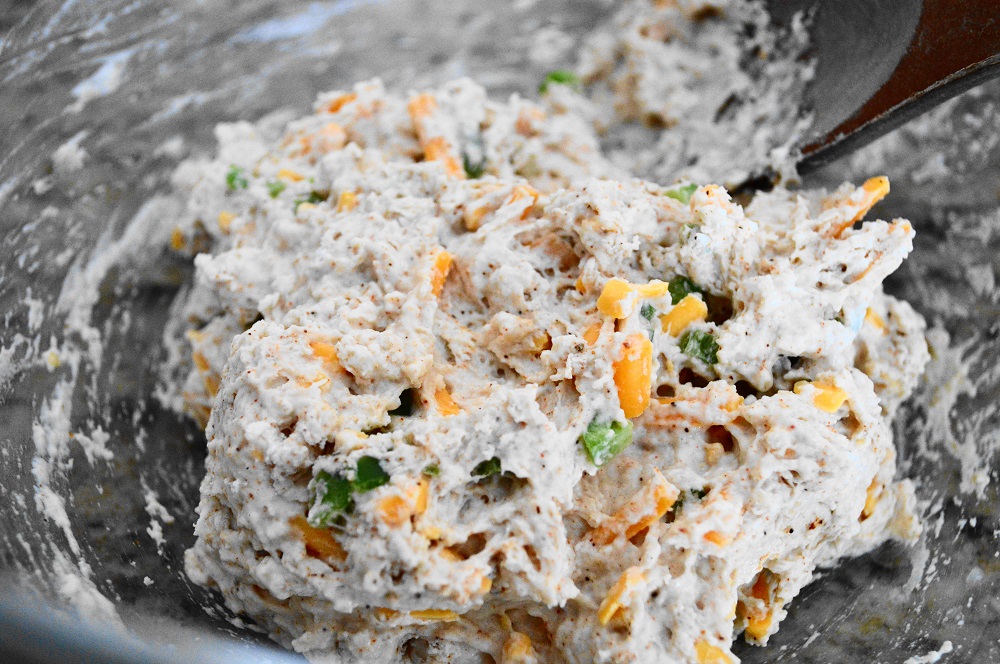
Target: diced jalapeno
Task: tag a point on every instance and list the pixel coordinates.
(473, 169)
(313, 198)
(680, 287)
(699, 493)
(647, 311)
(603, 440)
(701, 345)
(275, 188)
(474, 157)
(682, 194)
(369, 475)
(560, 77)
(331, 497)
(486, 468)
(431, 470)
(236, 178)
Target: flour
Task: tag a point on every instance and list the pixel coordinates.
(77, 349)
(36, 312)
(157, 514)
(69, 157)
(74, 585)
(173, 147)
(94, 445)
(551, 46)
(948, 375)
(982, 280)
(948, 380)
(12, 359)
(933, 656)
(51, 504)
(102, 82)
(51, 430)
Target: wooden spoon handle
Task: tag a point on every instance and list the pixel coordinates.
(955, 46)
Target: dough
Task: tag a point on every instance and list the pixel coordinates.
(716, 85)
(471, 391)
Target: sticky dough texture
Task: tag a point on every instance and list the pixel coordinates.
(765, 485)
(716, 81)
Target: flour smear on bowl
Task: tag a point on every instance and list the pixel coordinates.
(471, 390)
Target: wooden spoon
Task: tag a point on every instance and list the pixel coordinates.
(883, 62)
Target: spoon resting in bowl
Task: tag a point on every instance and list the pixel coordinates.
(880, 63)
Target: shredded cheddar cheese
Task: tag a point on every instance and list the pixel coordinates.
(615, 301)
(347, 201)
(423, 490)
(663, 501)
(290, 175)
(610, 301)
(445, 403)
(716, 538)
(758, 627)
(875, 190)
(437, 149)
(631, 578)
(226, 221)
(876, 321)
(828, 398)
(710, 654)
(340, 102)
(592, 334)
(870, 193)
(331, 137)
(521, 191)
(325, 351)
(691, 309)
(871, 499)
(384, 614)
(473, 217)
(647, 506)
(319, 541)
(633, 374)
(422, 105)
(435, 615)
(518, 649)
(442, 265)
(177, 240)
(200, 361)
(394, 510)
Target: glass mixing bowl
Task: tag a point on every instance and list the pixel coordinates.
(101, 99)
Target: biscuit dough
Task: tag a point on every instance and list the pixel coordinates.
(473, 393)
